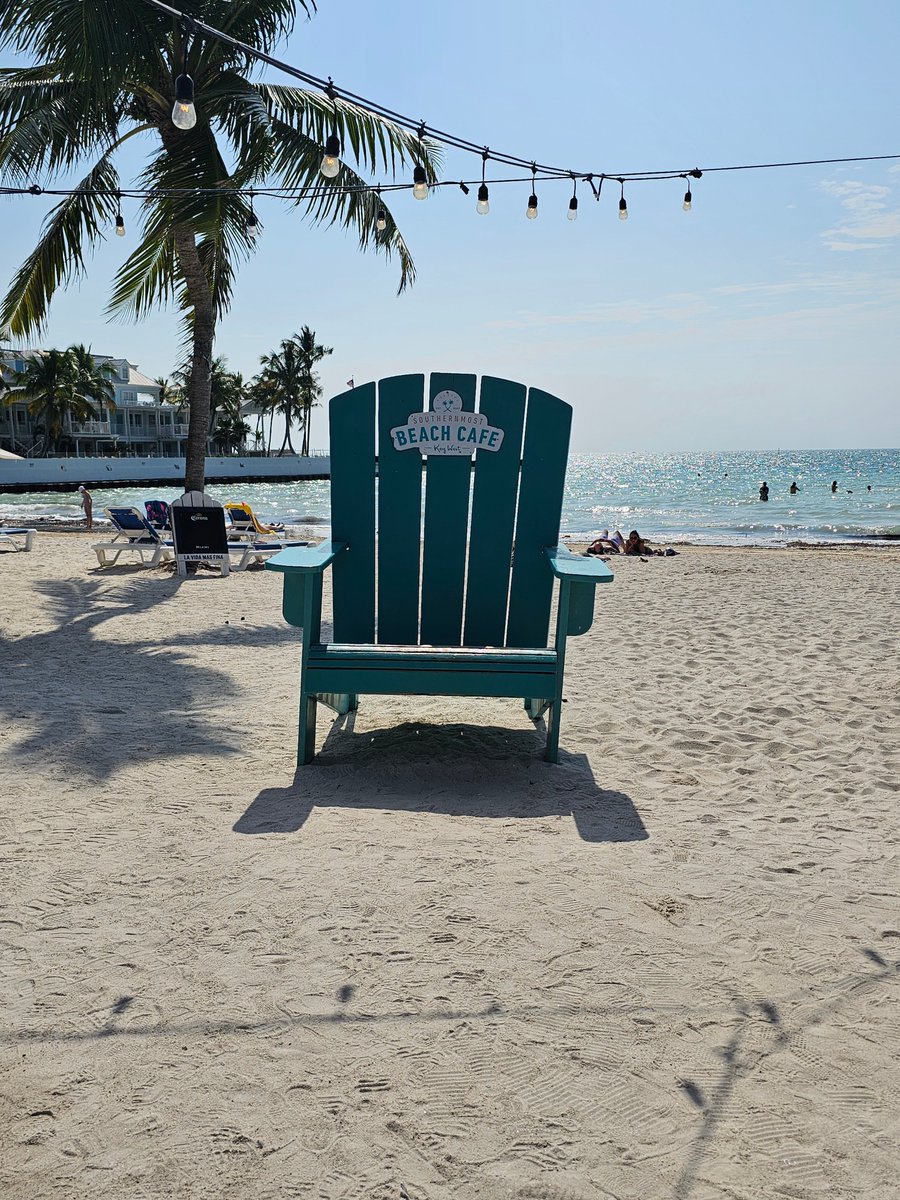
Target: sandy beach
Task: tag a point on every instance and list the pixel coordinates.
(434, 966)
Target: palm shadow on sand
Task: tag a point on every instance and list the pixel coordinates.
(454, 769)
(90, 704)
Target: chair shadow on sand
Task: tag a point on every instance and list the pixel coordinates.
(455, 769)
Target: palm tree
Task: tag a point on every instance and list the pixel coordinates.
(311, 390)
(232, 432)
(104, 74)
(282, 377)
(168, 391)
(92, 379)
(50, 387)
(264, 396)
(226, 395)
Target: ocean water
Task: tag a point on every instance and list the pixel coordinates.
(708, 498)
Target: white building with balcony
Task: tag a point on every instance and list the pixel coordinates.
(140, 425)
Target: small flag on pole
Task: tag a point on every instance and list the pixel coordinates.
(350, 383)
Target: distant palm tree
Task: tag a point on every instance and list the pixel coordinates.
(104, 73)
(232, 432)
(49, 385)
(289, 385)
(282, 376)
(262, 392)
(92, 379)
(168, 391)
(310, 391)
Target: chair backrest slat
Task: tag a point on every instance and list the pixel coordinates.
(352, 422)
(399, 516)
(447, 486)
(446, 575)
(493, 515)
(544, 455)
(131, 521)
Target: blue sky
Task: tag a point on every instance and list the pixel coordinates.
(767, 317)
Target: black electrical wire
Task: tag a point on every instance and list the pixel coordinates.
(458, 143)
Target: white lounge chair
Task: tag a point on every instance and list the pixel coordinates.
(9, 535)
(133, 532)
(257, 551)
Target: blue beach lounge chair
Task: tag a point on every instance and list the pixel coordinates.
(443, 550)
(133, 533)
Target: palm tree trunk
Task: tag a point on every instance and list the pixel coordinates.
(200, 295)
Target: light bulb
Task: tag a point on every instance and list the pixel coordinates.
(531, 210)
(120, 225)
(252, 225)
(687, 201)
(572, 214)
(331, 159)
(482, 206)
(623, 210)
(381, 220)
(184, 115)
(420, 185)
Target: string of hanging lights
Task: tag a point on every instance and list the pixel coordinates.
(184, 117)
(330, 165)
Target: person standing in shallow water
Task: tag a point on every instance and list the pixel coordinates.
(87, 504)
(764, 491)
(834, 487)
(793, 489)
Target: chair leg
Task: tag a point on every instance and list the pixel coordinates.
(553, 711)
(536, 708)
(306, 741)
(352, 702)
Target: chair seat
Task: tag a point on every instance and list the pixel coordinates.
(431, 670)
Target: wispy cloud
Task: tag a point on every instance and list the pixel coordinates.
(870, 218)
(753, 313)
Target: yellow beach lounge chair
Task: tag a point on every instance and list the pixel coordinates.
(245, 525)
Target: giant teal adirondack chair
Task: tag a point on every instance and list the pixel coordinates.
(445, 512)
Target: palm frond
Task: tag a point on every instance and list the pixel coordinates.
(50, 125)
(375, 143)
(148, 278)
(255, 23)
(346, 201)
(91, 39)
(76, 222)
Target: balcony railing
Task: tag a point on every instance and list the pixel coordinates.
(93, 428)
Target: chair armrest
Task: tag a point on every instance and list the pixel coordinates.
(306, 558)
(576, 567)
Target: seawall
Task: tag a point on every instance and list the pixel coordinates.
(65, 474)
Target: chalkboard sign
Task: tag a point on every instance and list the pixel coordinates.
(198, 530)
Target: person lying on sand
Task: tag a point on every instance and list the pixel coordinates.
(605, 544)
(636, 545)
